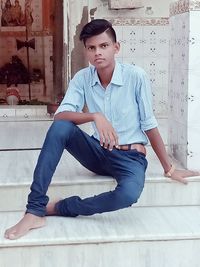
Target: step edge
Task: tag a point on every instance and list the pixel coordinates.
(129, 239)
(99, 181)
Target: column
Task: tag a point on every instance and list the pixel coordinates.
(184, 83)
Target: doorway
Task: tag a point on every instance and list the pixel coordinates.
(31, 51)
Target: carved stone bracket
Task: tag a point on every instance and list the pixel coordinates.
(125, 4)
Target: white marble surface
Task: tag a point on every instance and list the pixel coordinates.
(25, 111)
(127, 225)
(184, 96)
(23, 134)
(178, 86)
(140, 237)
(18, 166)
(20, 132)
(71, 178)
(138, 254)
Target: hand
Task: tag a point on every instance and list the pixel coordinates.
(180, 175)
(107, 134)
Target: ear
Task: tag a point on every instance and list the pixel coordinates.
(117, 47)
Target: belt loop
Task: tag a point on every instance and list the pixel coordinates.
(129, 146)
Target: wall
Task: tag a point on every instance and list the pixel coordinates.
(184, 87)
(66, 63)
(160, 9)
(144, 38)
(145, 43)
(80, 9)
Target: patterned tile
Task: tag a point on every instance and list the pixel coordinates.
(193, 152)
(145, 42)
(193, 98)
(184, 81)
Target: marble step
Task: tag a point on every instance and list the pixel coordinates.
(71, 178)
(24, 132)
(139, 237)
(22, 111)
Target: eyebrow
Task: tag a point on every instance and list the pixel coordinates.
(90, 45)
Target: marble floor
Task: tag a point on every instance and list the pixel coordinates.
(140, 237)
(161, 230)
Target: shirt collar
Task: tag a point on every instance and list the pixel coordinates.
(116, 78)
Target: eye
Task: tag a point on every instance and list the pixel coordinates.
(104, 45)
(90, 48)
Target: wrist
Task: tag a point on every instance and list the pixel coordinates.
(169, 172)
(94, 116)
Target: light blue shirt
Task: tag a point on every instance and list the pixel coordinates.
(126, 102)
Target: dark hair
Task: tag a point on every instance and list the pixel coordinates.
(95, 27)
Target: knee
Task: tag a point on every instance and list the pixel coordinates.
(129, 198)
(61, 129)
(130, 194)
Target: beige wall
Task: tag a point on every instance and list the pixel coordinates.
(144, 39)
(81, 11)
(160, 9)
(78, 16)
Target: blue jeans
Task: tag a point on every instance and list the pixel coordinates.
(127, 167)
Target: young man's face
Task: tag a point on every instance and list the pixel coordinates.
(101, 50)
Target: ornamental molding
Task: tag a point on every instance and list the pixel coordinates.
(23, 34)
(138, 21)
(184, 6)
(125, 4)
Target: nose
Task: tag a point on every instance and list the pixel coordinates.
(97, 51)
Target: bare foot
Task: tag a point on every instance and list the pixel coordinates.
(50, 208)
(28, 222)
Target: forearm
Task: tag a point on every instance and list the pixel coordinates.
(159, 148)
(75, 117)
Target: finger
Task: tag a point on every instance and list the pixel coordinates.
(189, 173)
(116, 141)
(106, 141)
(112, 143)
(113, 140)
(186, 173)
(101, 139)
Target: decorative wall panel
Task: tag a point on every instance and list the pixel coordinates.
(145, 42)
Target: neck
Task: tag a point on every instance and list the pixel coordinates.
(105, 75)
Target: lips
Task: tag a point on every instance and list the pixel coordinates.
(99, 59)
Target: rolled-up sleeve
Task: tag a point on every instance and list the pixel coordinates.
(74, 98)
(144, 99)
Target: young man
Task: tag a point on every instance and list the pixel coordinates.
(118, 98)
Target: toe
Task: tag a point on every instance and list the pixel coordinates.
(9, 235)
(12, 236)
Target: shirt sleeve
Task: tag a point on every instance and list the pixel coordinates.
(74, 98)
(144, 99)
